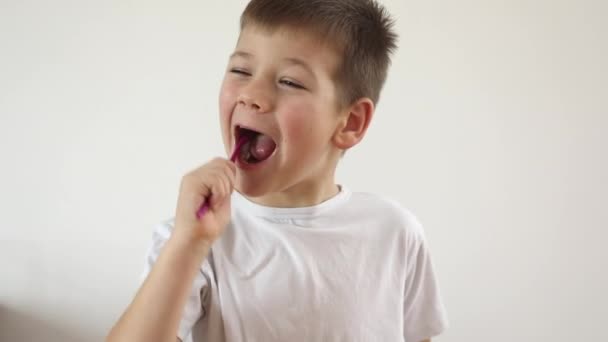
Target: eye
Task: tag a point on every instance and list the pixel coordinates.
(239, 71)
(291, 84)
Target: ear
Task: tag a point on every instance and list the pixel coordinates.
(354, 123)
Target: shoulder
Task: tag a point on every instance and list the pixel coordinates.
(161, 232)
(160, 235)
(163, 229)
(388, 212)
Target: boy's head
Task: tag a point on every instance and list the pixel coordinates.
(360, 32)
(306, 74)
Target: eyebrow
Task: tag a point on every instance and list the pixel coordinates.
(290, 60)
(241, 54)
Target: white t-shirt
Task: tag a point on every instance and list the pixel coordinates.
(353, 268)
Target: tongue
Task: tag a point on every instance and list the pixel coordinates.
(262, 147)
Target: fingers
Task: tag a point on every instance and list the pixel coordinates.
(213, 181)
(224, 184)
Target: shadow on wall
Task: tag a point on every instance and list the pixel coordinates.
(20, 326)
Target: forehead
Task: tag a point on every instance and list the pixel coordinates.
(289, 44)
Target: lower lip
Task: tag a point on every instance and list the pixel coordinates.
(246, 166)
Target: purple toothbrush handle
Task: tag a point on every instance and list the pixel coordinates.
(202, 210)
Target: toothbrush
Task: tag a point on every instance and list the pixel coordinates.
(205, 207)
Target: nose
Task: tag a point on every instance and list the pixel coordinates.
(256, 96)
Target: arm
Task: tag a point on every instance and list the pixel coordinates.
(155, 313)
(156, 310)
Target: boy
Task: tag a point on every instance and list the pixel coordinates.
(290, 255)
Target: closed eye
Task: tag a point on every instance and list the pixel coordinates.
(240, 72)
(291, 84)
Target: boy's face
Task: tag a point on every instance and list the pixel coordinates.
(280, 84)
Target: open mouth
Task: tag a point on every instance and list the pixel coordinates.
(257, 148)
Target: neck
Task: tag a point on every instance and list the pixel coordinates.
(304, 194)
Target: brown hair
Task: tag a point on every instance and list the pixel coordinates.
(361, 30)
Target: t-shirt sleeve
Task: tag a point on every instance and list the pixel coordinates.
(195, 307)
(424, 313)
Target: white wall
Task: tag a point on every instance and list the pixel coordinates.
(492, 129)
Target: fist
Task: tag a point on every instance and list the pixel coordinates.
(213, 182)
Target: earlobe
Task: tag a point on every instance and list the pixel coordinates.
(354, 124)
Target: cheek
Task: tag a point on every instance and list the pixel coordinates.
(226, 103)
(300, 127)
(228, 93)
(227, 98)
